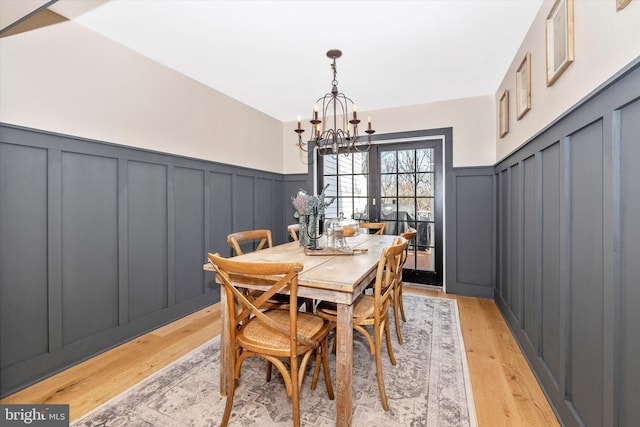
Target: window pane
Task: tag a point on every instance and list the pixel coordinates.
(330, 165)
(360, 186)
(332, 190)
(425, 185)
(345, 164)
(360, 163)
(345, 185)
(360, 208)
(388, 162)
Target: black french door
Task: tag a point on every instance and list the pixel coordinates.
(400, 184)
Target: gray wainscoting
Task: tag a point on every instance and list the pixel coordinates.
(100, 243)
(469, 235)
(568, 258)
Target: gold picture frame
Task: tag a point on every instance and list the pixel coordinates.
(559, 39)
(621, 4)
(523, 86)
(504, 113)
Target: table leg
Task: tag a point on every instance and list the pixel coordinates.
(344, 365)
(225, 345)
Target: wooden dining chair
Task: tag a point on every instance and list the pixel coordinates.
(375, 227)
(398, 306)
(294, 229)
(260, 239)
(373, 310)
(278, 336)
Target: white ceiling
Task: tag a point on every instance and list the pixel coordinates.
(271, 55)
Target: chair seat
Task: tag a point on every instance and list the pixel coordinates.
(362, 309)
(256, 334)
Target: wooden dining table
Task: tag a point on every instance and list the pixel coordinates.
(335, 278)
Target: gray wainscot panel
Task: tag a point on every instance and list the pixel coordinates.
(100, 243)
(23, 253)
(627, 281)
(568, 251)
(470, 271)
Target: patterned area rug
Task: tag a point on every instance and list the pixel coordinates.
(429, 386)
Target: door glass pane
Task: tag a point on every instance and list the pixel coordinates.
(424, 186)
(388, 185)
(406, 184)
(406, 161)
(424, 161)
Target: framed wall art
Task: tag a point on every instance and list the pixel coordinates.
(559, 39)
(621, 4)
(504, 113)
(523, 86)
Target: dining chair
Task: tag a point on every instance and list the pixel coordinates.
(261, 239)
(294, 229)
(398, 306)
(373, 310)
(375, 227)
(275, 335)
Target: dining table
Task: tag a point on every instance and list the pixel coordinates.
(328, 276)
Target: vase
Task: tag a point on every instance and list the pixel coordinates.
(304, 232)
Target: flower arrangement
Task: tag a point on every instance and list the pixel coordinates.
(309, 209)
(310, 205)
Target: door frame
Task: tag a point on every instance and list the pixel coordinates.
(422, 277)
(448, 233)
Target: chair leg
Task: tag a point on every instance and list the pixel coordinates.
(378, 356)
(295, 391)
(229, 403)
(316, 370)
(387, 332)
(269, 366)
(322, 358)
(396, 314)
(404, 318)
(325, 365)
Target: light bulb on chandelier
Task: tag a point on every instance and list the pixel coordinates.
(341, 137)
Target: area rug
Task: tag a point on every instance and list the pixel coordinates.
(429, 386)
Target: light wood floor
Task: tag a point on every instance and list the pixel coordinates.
(505, 390)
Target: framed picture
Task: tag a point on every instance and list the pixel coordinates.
(559, 39)
(621, 4)
(504, 113)
(523, 86)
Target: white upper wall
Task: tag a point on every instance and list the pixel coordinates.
(605, 42)
(66, 79)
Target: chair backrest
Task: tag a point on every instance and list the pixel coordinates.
(234, 275)
(263, 237)
(389, 274)
(294, 229)
(376, 227)
(409, 234)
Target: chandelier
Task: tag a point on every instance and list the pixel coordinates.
(337, 132)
